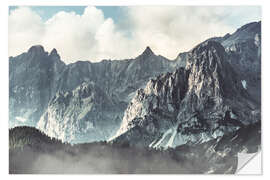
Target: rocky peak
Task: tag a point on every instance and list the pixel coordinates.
(36, 50)
(84, 114)
(251, 27)
(54, 53)
(147, 53)
(211, 76)
(208, 46)
(184, 101)
(226, 36)
(206, 58)
(206, 64)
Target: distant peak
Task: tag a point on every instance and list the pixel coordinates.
(36, 49)
(207, 58)
(147, 52)
(148, 49)
(253, 26)
(227, 36)
(54, 53)
(208, 45)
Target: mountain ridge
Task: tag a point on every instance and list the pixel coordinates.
(204, 87)
(41, 75)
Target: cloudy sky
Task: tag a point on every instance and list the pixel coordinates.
(96, 33)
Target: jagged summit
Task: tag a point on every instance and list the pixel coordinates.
(211, 74)
(208, 45)
(192, 99)
(38, 49)
(250, 27)
(208, 58)
(38, 52)
(147, 52)
(54, 53)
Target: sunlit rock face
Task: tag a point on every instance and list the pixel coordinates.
(85, 114)
(202, 101)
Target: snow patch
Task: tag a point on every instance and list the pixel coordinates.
(217, 133)
(152, 143)
(170, 142)
(180, 140)
(163, 137)
(20, 119)
(244, 84)
(204, 137)
(234, 137)
(233, 116)
(210, 171)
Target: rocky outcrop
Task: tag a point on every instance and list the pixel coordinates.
(117, 78)
(202, 101)
(32, 82)
(85, 114)
(244, 54)
(244, 50)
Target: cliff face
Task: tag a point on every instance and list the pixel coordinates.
(85, 114)
(39, 81)
(194, 104)
(32, 82)
(244, 50)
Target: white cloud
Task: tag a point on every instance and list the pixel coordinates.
(25, 29)
(90, 36)
(170, 30)
(76, 37)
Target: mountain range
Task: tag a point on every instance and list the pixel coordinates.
(149, 101)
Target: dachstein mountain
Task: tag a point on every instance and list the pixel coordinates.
(195, 104)
(78, 102)
(209, 91)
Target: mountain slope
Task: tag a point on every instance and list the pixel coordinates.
(244, 50)
(85, 114)
(32, 81)
(201, 102)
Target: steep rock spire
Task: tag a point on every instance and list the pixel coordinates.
(36, 50)
(146, 53)
(54, 53)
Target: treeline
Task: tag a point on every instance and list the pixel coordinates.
(31, 151)
(29, 136)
